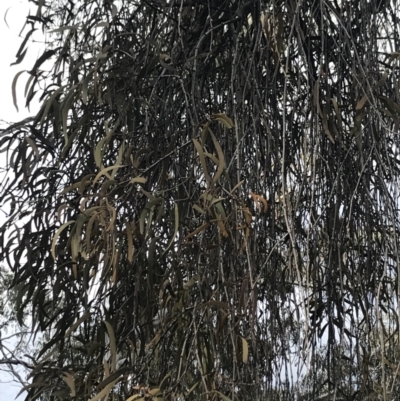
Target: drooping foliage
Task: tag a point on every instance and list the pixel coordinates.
(206, 204)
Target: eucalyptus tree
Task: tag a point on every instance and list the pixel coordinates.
(208, 194)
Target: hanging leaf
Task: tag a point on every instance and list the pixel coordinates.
(102, 24)
(113, 346)
(245, 350)
(104, 171)
(136, 397)
(49, 103)
(129, 237)
(360, 105)
(390, 104)
(198, 209)
(44, 57)
(200, 151)
(222, 396)
(197, 230)
(223, 119)
(14, 88)
(382, 81)
(70, 380)
(34, 147)
(63, 28)
(221, 159)
(56, 235)
(98, 152)
(147, 210)
(325, 126)
(105, 392)
(237, 186)
(176, 227)
(30, 386)
(88, 233)
(114, 10)
(154, 391)
(85, 316)
(66, 105)
(85, 86)
(139, 180)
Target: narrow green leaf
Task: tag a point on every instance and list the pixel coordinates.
(222, 396)
(64, 28)
(85, 85)
(56, 235)
(113, 346)
(105, 392)
(77, 324)
(200, 151)
(224, 119)
(140, 180)
(129, 238)
(49, 103)
(135, 397)
(105, 171)
(175, 229)
(14, 88)
(245, 354)
(70, 381)
(34, 147)
(361, 102)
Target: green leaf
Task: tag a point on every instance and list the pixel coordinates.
(85, 86)
(140, 180)
(105, 392)
(361, 103)
(149, 207)
(49, 103)
(129, 238)
(85, 316)
(64, 28)
(14, 88)
(104, 171)
(224, 120)
(176, 227)
(135, 397)
(56, 235)
(113, 346)
(34, 147)
(245, 354)
(200, 151)
(222, 396)
(70, 380)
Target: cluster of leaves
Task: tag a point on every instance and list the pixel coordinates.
(208, 189)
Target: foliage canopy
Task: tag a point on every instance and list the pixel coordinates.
(208, 192)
